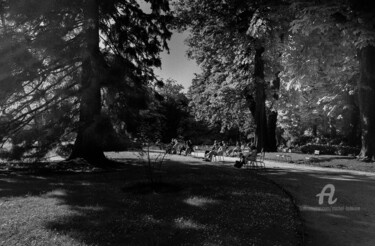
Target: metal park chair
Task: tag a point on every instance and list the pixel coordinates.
(255, 160)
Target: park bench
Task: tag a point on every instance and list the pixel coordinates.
(283, 157)
(219, 156)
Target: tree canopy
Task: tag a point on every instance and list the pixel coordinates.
(307, 62)
(64, 57)
(82, 71)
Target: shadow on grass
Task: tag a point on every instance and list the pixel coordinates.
(204, 205)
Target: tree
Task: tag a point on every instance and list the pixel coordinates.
(174, 108)
(355, 20)
(83, 49)
(231, 41)
(318, 82)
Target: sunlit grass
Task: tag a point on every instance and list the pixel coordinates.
(330, 161)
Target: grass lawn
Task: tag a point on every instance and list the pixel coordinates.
(200, 204)
(331, 161)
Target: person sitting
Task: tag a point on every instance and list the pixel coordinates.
(175, 145)
(223, 148)
(243, 147)
(250, 156)
(182, 149)
(212, 152)
(236, 151)
(189, 147)
(170, 147)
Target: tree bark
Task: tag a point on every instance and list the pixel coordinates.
(366, 89)
(352, 129)
(256, 101)
(332, 128)
(261, 136)
(272, 116)
(315, 128)
(271, 130)
(87, 144)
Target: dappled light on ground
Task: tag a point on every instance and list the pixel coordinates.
(8, 180)
(56, 193)
(216, 205)
(183, 223)
(200, 201)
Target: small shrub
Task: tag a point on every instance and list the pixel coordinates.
(303, 140)
(347, 150)
(329, 149)
(323, 149)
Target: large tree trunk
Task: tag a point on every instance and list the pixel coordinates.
(261, 136)
(315, 128)
(366, 87)
(332, 128)
(352, 129)
(271, 130)
(256, 100)
(272, 115)
(88, 141)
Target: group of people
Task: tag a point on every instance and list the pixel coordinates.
(240, 148)
(216, 149)
(221, 148)
(246, 152)
(178, 147)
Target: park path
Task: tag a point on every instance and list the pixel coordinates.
(353, 222)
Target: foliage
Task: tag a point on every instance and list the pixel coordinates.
(347, 150)
(220, 105)
(354, 22)
(319, 92)
(43, 52)
(325, 149)
(321, 76)
(222, 43)
(165, 114)
(174, 108)
(322, 148)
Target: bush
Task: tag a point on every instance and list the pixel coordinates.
(303, 140)
(329, 149)
(347, 150)
(323, 149)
